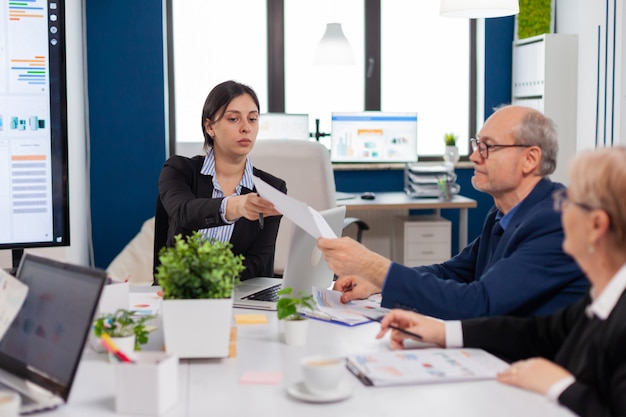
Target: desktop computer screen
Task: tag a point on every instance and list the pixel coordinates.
(374, 137)
(283, 126)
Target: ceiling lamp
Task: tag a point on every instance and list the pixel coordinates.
(476, 9)
(334, 48)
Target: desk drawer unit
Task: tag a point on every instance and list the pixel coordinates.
(421, 240)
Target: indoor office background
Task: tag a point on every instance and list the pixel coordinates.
(119, 82)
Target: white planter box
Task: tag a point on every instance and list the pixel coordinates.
(197, 328)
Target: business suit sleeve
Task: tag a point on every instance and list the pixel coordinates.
(178, 184)
(530, 275)
(585, 400)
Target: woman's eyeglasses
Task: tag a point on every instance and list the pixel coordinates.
(560, 200)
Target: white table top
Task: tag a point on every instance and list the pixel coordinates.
(212, 387)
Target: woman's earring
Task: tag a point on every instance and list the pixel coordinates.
(590, 248)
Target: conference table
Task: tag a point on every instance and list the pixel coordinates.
(214, 386)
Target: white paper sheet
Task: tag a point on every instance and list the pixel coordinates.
(12, 296)
(308, 219)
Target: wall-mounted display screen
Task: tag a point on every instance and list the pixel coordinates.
(379, 137)
(34, 202)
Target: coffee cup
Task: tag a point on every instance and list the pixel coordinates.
(323, 375)
(10, 402)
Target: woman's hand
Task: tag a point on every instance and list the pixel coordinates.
(535, 374)
(249, 206)
(430, 329)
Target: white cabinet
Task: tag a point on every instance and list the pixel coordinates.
(421, 240)
(545, 77)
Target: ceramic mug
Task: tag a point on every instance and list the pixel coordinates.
(322, 375)
(10, 402)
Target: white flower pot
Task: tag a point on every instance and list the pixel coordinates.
(197, 328)
(296, 332)
(126, 345)
(451, 154)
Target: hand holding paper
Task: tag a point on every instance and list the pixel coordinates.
(308, 219)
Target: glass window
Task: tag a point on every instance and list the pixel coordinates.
(215, 41)
(425, 69)
(321, 89)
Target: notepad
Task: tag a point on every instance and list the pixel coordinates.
(424, 366)
(250, 319)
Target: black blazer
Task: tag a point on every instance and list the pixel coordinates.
(593, 350)
(186, 196)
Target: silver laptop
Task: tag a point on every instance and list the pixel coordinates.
(41, 350)
(305, 268)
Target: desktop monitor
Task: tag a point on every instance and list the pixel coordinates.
(374, 137)
(34, 191)
(283, 126)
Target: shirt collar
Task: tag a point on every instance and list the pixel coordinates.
(505, 219)
(208, 168)
(603, 304)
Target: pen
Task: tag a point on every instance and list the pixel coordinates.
(261, 221)
(406, 332)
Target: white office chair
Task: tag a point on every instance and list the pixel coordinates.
(307, 169)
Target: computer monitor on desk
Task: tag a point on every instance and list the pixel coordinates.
(378, 137)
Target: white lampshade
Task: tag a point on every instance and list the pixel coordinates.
(334, 48)
(476, 9)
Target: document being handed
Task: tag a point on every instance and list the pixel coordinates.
(305, 217)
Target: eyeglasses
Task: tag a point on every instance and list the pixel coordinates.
(483, 148)
(560, 200)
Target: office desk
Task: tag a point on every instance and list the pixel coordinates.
(211, 387)
(400, 203)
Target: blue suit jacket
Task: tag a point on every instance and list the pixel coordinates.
(529, 274)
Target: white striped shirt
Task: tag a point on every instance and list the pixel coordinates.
(224, 233)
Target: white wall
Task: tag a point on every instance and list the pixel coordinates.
(78, 251)
(600, 112)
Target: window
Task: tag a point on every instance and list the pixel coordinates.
(424, 63)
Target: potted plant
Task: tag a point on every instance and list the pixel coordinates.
(288, 308)
(128, 331)
(198, 276)
(451, 153)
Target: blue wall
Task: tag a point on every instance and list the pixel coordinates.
(127, 128)
(126, 118)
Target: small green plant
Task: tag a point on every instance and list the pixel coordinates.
(288, 306)
(123, 323)
(197, 268)
(534, 18)
(449, 139)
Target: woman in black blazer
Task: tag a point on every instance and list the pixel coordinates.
(215, 193)
(578, 355)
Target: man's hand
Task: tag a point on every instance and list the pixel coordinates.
(354, 288)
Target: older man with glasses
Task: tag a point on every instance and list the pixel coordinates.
(515, 267)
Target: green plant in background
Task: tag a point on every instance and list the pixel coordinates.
(197, 268)
(450, 139)
(534, 18)
(288, 306)
(124, 323)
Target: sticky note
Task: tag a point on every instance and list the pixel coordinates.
(250, 319)
(257, 377)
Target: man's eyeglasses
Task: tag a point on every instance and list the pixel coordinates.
(483, 148)
(560, 200)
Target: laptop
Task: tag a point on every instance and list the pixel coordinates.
(41, 350)
(306, 268)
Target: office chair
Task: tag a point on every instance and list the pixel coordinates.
(307, 169)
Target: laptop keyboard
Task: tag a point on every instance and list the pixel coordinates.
(268, 294)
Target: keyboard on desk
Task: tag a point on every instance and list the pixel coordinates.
(268, 294)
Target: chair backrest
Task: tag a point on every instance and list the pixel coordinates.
(307, 169)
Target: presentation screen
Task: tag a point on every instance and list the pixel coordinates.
(34, 204)
(374, 137)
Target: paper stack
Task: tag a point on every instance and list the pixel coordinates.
(422, 180)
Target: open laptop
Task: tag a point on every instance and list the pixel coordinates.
(41, 350)
(306, 268)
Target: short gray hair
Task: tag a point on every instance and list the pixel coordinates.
(539, 130)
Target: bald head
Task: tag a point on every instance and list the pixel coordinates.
(530, 127)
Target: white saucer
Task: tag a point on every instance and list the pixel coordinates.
(300, 392)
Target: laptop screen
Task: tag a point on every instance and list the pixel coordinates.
(44, 343)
